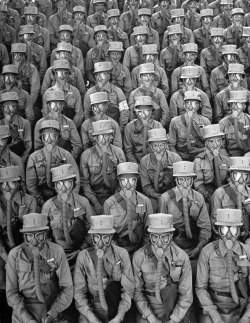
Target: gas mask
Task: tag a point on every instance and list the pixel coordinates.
(164, 5)
(229, 235)
(115, 57)
(99, 109)
(65, 36)
(140, 40)
(226, 8)
(35, 239)
(30, 19)
(99, 8)
(191, 107)
(101, 242)
(9, 189)
(9, 81)
(104, 141)
(9, 110)
(160, 242)
(174, 39)
(79, 17)
(235, 79)
(214, 144)
(100, 38)
(128, 184)
(247, 41)
(193, 6)
(217, 41)
(61, 76)
(158, 148)
(55, 109)
(64, 55)
(206, 22)
(64, 187)
(49, 139)
(239, 179)
(184, 184)
(178, 20)
(237, 20)
(189, 83)
(147, 79)
(27, 39)
(61, 5)
(18, 58)
(3, 16)
(237, 108)
(149, 58)
(144, 20)
(133, 4)
(143, 114)
(114, 22)
(102, 78)
(32, 3)
(190, 58)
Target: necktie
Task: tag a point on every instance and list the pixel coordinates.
(229, 260)
(100, 254)
(192, 22)
(217, 172)
(207, 38)
(158, 278)
(227, 21)
(156, 177)
(75, 40)
(130, 221)
(39, 293)
(9, 220)
(65, 221)
(144, 144)
(99, 56)
(236, 35)
(60, 18)
(239, 201)
(104, 169)
(29, 54)
(163, 13)
(216, 57)
(236, 131)
(189, 124)
(132, 21)
(48, 168)
(174, 58)
(186, 217)
(115, 35)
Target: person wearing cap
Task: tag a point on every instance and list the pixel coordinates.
(118, 108)
(73, 108)
(178, 18)
(193, 19)
(235, 76)
(109, 5)
(234, 195)
(130, 209)
(136, 131)
(40, 162)
(9, 75)
(233, 34)
(189, 76)
(69, 213)
(97, 54)
(7, 33)
(242, 4)
(41, 17)
(163, 277)
(13, 17)
(236, 125)
(190, 52)
(74, 3)
(4, 57)
(202, 35)
(103, 277)
(35, 53)
(222, 277)
(162, 19)
(185, 135)
(69, 136)
(115, 34)
(129, 18)
(150, 55)
(98, 166)
(83, 34)
(223, 19)
(133, 54)
(17, 5)
(41, 35)
(211, 166)
(99, 17)
(39, 286)
(211, 57)
(156, 168)
(244, 53)
(99, 103)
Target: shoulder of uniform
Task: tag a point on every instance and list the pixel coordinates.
(198, 196)
(180, 253)
(209, 248)
(140, 254)
(201, 155)
(142, 196)
(120, 251)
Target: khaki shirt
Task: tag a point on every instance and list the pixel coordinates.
(54, 22)
(42, 38)
(118, 35)
(8, 35)
(167, 56)
(83, 38)
(187, 37)
(38, 58)
(222, 21)
(153, 38)
(125, 21)
(92, 20)
(121, 78)
(230, 36)
(192, 21)
(208, 60)
(8, 158)
(4, 56)
(111, 4)
(215, 5)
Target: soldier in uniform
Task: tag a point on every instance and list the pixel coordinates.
(148, 88)
(41, 18)
(73, 108)
(223, 19)
(222, 279)
(216, 6)
(7, 33)
(163, 276)
(40, 162)
(99, 17)
(109, 5)
(185, 136)
(39, 285)
(4, 57)
(103, 278)
(242, 4)
(211, 166)
(99, 103)
(156, 168)
(233, 34)
(13, 17)
(193, 19)
(114, 31)
(69, 136)
(129, 19)
(118, 107)
(244, 53)
(236, 125)
(98, 166)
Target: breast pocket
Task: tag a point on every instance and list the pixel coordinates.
(40, 168)
(194, 210)
(116, 272)
(70, 100)
(95, 168)
(175, 273)
(24, 273)
(65, 132)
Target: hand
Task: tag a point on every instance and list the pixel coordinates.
(72, 255)
(116, 319)
(194, 253)
(152, 319)
(244, 320)
(48, 319)
(98, 208)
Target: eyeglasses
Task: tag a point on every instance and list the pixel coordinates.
(99, 107)
(52, 136)
(106, 238)
(39, 236)
(9, 108)
(67, 183)
(12, 185)
(214, 142)
(238, 105)
(124, 181)
(164, 238)
(181, 180)
(237, 175)
(56, 105)
(155, 146)
(223, 230)
(191, 104)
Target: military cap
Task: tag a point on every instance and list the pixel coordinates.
(3, 8)
(237, 11)
(235, 69)
(140, 30)
(146, 68)
(26, 29)
(217, 32)
(55, 96)
(18, 48)
(35, 222)
(50, 124)
(192, 95)
(212, 130)
(246, 32)
(65, 28)
(98, 97)
(9, 96)
(150, 49)
(62, 172)
(5, 131)
(189, 72)
(66, 47)
(144, 101)
(61, 64)
(103, 224)
(229, 49)
(101, 127)
(158, 134)
(207, 13)
(238, 96)
(183, 168)
(160, 223)
(79, 9)
(9, 174)
(144, 12)
(10, 69)
(115, 46)
(229, 217)
(113, 13)
(190, 47)
(175, 13)
(174, 29)
(98, 1)
(127, 168)
(239, 163)
(102, 67)
(99, 28)
(30, 10)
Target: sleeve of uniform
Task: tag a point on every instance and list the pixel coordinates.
(185, 291)
(121, 23)
(174, 81)
(91, 41)
(5, 56)
(172, 137)
(218, 110)
(165, 40)
(117, 141)
(46, 43)
(124, 110)
(164, 84)
(157, 41)
(147, 187)
(205, 84)
(206, 108)
(163, 203)
(199, 179)
(32, 205)
(80, 84)
(26, 139)
(52, 31)
(203, 222)
(87, 107)
(131, 104)
(215, 204)
(80, 62)
(134, 79)
(14, 297)
(31, 178)
(65, 291)
(173, 107)
(75, 141)
(43, 63)
(71, 160)
(127, 84)
(46, 81)
(213, 84)
(29, 112)
(162, 61)
(85, 136)
(128, 145)
(34, 81)
(165, 119)
(89, 67)
(203, 62)
(78, 118)
(37, 140)
(126, 59)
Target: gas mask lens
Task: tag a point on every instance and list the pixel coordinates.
(102, 76)
(12, 185)
(124, 181)
(191, 105)
(217, 39)
(79, 15)
(100, 107)
(9, 108)
(104, 138)
(68, 184)
(39, 236)
(63, 55)
(64, 36)
(143, 113)
(27, 36)
(61, 74)
(214, 142)
(17, 56)
(149, 58)
(155, 146)
(56, 106)
(235, 77)
(189, 81)
(164, 238)
(147, 77)
(181, 180)
(30, 17)
(52, 136)
(9, 78)
(238, 106)
(223, 230)
(106, 238)
(237, 175)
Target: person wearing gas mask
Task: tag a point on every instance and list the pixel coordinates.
(235, 76)
(130, 210)
(40, 162)
(17, 5)
(98, 166)
(99, 17)
(4, 58)
(148, 88)
(211, 166)
(69, 213)
(189, 76)
(97, 54)
(74, 3)
(142, 4)
(75, 78)
(103, 278)
(62, 17)
(244, 53)
(20, 128)
(190, 52)
(133, 54)
(28, 77)
(129, 19)
(39, 286)
(185, 135)
(233, 34)
(236, 125)
(41, 35)
(99, 103)
(117, 108)
(223, 19)
(211, 57)
(136, 131)
(242, 4)
(69, 136)
(144, 18)
(216, 7)
(109, 5)
(156, 168)
(222, 279)
(234, 195)
(13, 17)
(41, 17)
(193, 19)
(83, 34)
(9, 76)
(35, 53)
(178, 18)
(172, 55)
(73, 108)
(114, 31)
(7, 33)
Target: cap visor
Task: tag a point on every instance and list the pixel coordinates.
(31, 229)
(108, 231)
(63, 178)
(233, 224)
(160, 230)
